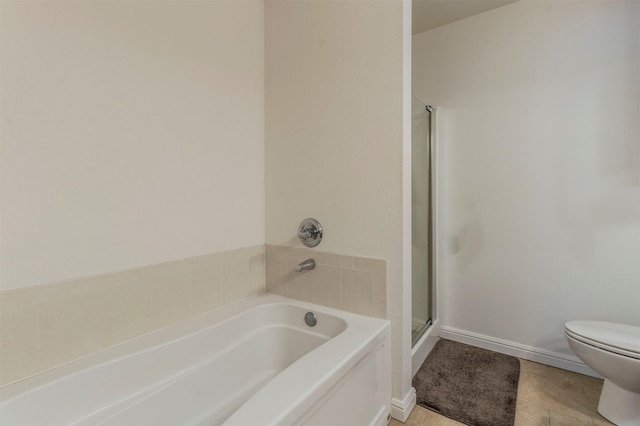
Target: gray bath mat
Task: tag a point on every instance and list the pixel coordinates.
(474, 386)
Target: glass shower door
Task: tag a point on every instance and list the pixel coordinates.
(421, 218)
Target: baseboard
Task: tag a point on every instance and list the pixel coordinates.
(518, 350)
(400, 410)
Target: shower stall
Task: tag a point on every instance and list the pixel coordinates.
(423, 312)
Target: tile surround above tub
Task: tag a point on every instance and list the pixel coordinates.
(45, 326)
(350, 283)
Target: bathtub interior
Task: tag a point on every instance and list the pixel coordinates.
(203, 376)
(196, 402)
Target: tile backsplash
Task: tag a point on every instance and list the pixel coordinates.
(350, 283)
(46, 326)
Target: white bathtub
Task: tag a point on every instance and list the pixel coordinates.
(255, 362)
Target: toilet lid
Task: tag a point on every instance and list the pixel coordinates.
(619, 338)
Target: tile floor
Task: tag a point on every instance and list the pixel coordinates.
(546, 396)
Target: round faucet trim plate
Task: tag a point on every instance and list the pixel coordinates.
(310, 232)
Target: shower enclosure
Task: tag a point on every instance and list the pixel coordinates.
(422, 219)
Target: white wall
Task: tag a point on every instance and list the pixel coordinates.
(334, 102)
(539, 125)
(132, 134)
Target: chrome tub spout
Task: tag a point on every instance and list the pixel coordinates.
(306, 265)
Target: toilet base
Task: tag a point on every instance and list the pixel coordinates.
(618, 405)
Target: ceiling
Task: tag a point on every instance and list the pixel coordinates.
(429, 14)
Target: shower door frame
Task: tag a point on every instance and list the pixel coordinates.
(425, 344)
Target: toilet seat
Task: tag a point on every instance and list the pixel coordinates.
(621, 339)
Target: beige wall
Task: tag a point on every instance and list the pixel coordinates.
(132, 134)
(334, 133)
(539, 105)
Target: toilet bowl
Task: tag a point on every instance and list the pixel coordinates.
(613, 351)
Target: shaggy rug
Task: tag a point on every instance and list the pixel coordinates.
(474, 386)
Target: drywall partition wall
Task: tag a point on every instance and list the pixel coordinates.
(334, 133)
(132, 134)
(539, 126)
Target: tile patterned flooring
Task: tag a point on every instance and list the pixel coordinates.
(547, 396)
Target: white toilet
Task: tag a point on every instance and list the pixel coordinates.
(613, 351)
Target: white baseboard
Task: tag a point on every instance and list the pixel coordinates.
(400, 410)
(518, 350)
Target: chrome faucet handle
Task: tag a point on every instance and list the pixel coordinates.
(305, 233)
(310, 232)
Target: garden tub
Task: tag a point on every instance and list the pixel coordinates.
(255, 362)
